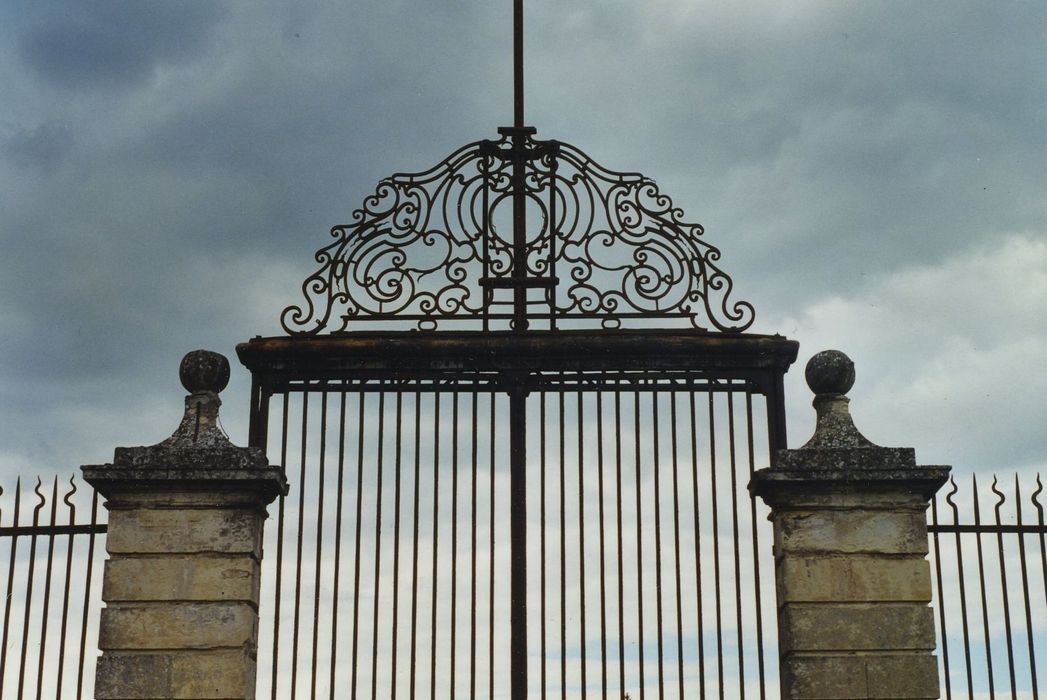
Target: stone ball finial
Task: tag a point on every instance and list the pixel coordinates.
(203, 370)
(830, 372)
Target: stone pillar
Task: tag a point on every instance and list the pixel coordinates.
(850, 546)
(185, 540)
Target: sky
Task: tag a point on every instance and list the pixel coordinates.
(873, 174)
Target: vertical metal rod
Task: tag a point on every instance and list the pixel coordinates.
(518, 536)
(356, 547)
(336, 588)
(618, 530)
(541, 525)
(490, 639)
(377, 544)
(716, 543)
(87, 597)
(397, 490)
(676, 542)
(298, 555)
(656, 465)
(436, 543)
(603, 573)
(581, 538)
(1003, 589)
(318, 562)
(66, 587)
(414, 540)
(941, 599)
(963, 593)
(757, 588)
(697, 546)
(563, 554)
(472, 551)
(454, 542)
(47, 591)
(732, 451)
(639, 534)
(9, 596)
(29, 589)
(518, 66)
(981, 579)
(279, 553)
(1025, 590)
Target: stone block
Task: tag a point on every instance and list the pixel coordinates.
(181, 578)
(903, 676)
(180, 675)
(852, 531)
(856, 627)
(147, 626)
(853, 578)
(822, 677)
(156, 531)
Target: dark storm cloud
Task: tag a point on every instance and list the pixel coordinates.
(110, 45)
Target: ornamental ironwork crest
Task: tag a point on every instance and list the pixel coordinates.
(514, 233)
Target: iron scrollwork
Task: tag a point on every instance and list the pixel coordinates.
(437, 247)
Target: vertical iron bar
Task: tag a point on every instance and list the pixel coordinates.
(618, 530)
(472, 554)
(639, 535)
(676, 541)
(342, 417)
(414, 553)
(697, 546)
(356, 547)
(1003, 589)
(397, 470)
(29, 588)
(454, 542)
(603, 573)
(656, 464)
(66, 587)
(87, 597)
(963, 593)
(941, 598)
(541, 526)
(981, 579)
(436, 542)
(377, 544)
(47, 591)
(581, 538)
(490, 638)
(10, 584)
(298, 554)
(1025, 589)
(732, 451)
(518, 67)
(318, 562)
(563, 555)
(518, 535)
(716, 542)
(279, 552)
(757, 589)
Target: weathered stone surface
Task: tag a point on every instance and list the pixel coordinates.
(152, 531)
(856, 627)
(220, 578)
(177, 626)
(853, 579)
(180, 675)
(852, 531)
(823, 677)
(903, 676)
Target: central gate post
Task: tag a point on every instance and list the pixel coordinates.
(518, 536)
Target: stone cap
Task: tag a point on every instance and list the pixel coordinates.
(838, 456)
(198, 455)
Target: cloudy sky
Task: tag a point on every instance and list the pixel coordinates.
(874, 174)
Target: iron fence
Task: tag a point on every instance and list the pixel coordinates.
(991, 589)
(50, 540)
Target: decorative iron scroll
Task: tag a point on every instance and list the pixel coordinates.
(437, 247)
